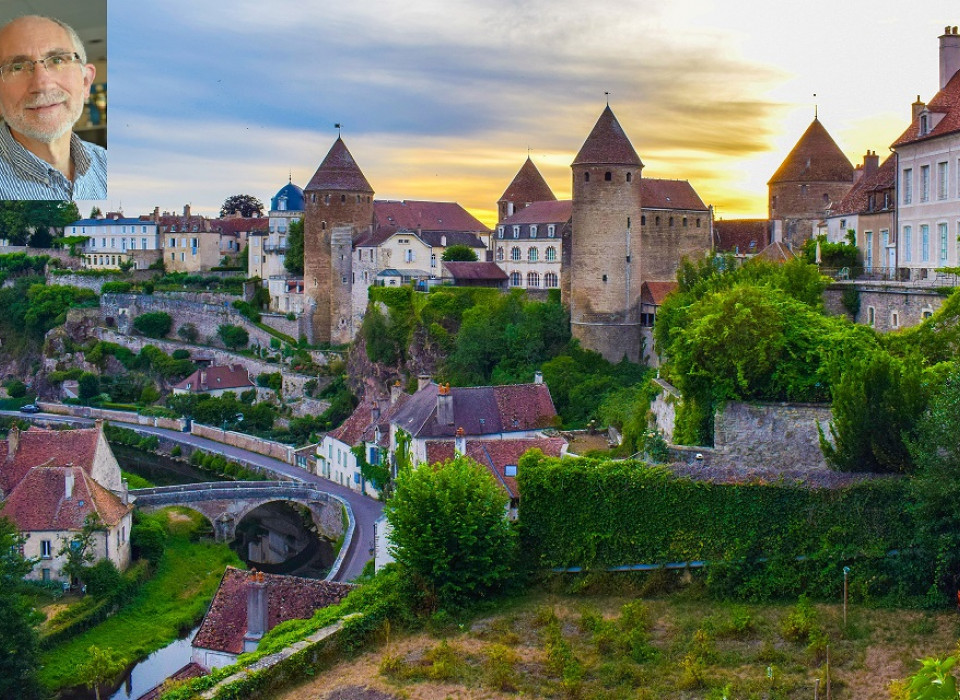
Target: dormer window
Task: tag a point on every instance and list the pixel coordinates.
(533, 231)
(516, 232)
(924, 124)
(551, 230)
(499, 231)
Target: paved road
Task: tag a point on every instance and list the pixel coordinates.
(365, 509)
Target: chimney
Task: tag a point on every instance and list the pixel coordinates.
(460, 443)
(395, 392)
(375, 411)
(256, 611)
(68, 484)
(203, 380)
(871, 163)
(423, 380)
(125, 492)
(444, 405)
(156, 214)
(186, 211)
(917, 107)
(949, 55)
(538, 377)
(13, 442)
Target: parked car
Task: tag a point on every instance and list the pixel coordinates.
(30, 408)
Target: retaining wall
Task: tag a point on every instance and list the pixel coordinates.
(267, 448)
(114, 416)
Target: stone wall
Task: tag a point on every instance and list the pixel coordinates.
(664, 409)
(668, 236)
(61, 254)
(895, 304)
(268, 448)
(279, 322)
(111, 415)
(770, 435)
(293, 382)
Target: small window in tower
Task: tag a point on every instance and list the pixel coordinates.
(604, 278)
(343, 198)
(657, 221)
(628, 222)
(684, 221)
(698, 223)
(586, 177)
(671, 221)
(608, 176)
(358, 199)
(643, 219)
(313, 196)
(826, 199)
(326, 199)
(323, 225)
(629, 177)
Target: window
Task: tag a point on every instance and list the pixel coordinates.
(871, 315)
(942, 176)
(657, 221)
(343, 198)
(551, 254)
(924, 183)
(500, 253)
(550, 280)
(173, 243)
(924, 124)
(133, 243)
(629, 177)
(533, 279)
(143, 229)
(433, 259)
(515, 253)
(924, 243)
(533, 230)
(551, 230)
(643, 219)
(516, 232)
(868, 235)
(894, 319)
(499, 231)
(908, 244)
(684, 221)
(698, 222)
(907, 185)
(515, 279)
(942, 231)
(93, 242)
(408, 255)
(586, 177)
(46, 549)
(608, 176)
(532, 254)
(183, 257)
(671, 221)
(143, 243)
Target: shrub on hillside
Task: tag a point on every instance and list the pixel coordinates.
(234, 337)
(153, 324)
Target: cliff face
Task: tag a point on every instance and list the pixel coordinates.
(375, 378)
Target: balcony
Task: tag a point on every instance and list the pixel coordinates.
(275, 249)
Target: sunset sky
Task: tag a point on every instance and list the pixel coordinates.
(440, 99)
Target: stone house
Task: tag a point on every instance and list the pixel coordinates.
(529, 244)
(115, 239)
(248, 604)
(216, 380)
(51, 481)
(439, 412)
(928, 169)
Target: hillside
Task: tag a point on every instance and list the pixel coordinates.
(677, 646)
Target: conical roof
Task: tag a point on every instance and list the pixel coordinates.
(607, 144)
(815, 158)
(339, 171)
(528, 186)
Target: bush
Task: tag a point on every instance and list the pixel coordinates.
(102, 579)
(115, 287)
(16, 389)
(154, 324)
(188, 332)
(149, 538)
(180, 354)
(234, 337)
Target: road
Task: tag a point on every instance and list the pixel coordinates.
(366, 510)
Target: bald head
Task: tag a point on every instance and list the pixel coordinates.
(28, 23)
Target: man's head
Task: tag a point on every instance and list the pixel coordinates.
(42, 103)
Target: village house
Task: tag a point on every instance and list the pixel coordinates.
(248, 604)
(216, 380)
(928, 168)
(54, 481)
(113, 240)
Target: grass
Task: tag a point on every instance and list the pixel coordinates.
(170, 603)
(676, 644)
(135, 481)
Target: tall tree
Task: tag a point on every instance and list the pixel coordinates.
(245, 204)
(19, 221)
(19, 650)
(293, 260)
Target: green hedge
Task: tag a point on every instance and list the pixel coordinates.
(594, 514)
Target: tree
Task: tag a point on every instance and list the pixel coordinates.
(154, 324)
(293, 260)
(245, 204)
(188, 332)
(100, 667)
(78, 550)
(95, 212)
(450, 530)
(19, 646)
(234, 337)
(88, 386)
(459, 252)
(19, 220)
(49, 303)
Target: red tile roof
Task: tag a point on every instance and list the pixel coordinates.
(288, 598)
(556, 212)
(351, 430)
(497, 455)
(655, 292)
(744, 236)
(216, 377)
(339, 171)
(946, 103)
(479, 410)
(37, 447)
(777, 252)
(40, 503)
(475, 271)
(412, 215)
(669, 194)
(856, 201)
(241, 224)
(183, 224)
(815, 158)
(607, 144)
(528, 186)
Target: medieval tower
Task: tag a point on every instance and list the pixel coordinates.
(604, 281)
(527, 187)
(338, 207)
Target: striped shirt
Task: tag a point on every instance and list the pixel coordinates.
(25, 176)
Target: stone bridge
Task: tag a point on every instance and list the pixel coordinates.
(226, 503)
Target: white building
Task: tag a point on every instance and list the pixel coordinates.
(114, 240)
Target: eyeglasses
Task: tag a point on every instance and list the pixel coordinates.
(21, 70)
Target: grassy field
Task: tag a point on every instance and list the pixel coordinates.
(676, 645)
(171, 602)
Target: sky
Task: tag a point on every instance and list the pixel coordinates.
(441, 99)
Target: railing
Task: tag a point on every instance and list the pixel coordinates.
(274, 248)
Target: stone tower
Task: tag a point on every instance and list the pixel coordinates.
(814, 176)
(338, 204)
(528, 186)
(604, 291)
